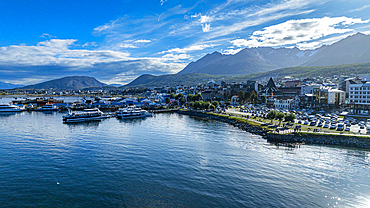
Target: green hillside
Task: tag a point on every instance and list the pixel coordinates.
(147, 80)
(308, 72)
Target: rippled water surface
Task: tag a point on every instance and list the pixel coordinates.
(168, 160)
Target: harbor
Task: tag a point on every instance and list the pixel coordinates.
(137, 162)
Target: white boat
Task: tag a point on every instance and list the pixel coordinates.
(132, 112)
(48, 107)
(85, 115)
(9, 108)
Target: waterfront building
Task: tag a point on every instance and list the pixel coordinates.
(283, 103)
(359, 98)
(328, 98)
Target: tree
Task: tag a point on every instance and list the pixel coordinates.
(172, 95)
(263, 99)
(179, 96)
(205, 105)
(167, 100)
(271, 115)
(212, 107)
(254, 98)
(198, 105)
(191, 104)
(241, 95)
(215, 103)
(290, 117)
(247, 95)
(280, 116)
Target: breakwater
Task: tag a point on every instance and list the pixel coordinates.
(293, 138)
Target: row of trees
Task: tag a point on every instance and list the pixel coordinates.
(201, 105)
(249, 97)
(273, 114)
(194, 98)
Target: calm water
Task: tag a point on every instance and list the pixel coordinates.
(169, 160)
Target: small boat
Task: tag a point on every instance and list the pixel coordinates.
(85, 115)
(48, 107)
(10, 108)
(132, 112)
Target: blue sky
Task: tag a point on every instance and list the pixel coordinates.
(118, 40)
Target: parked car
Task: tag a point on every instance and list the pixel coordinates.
(340, 127)
(347, 129)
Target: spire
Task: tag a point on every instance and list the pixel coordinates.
(271, 87)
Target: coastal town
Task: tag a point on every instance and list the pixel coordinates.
(333, 105)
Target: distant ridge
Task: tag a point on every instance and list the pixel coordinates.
(6, 86)
(148, 80)
(307, 72)
(68, 83)
(351, 50)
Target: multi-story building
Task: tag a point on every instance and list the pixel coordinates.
(287, 103)
(308, 89)
(359, 98)
(328, 98)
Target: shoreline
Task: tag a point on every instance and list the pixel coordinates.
(291, 139)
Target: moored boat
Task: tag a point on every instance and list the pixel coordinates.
(48, 107)
(10, 108)
(132, 112)
(85, 115)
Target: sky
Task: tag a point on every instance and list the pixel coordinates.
(118, 40)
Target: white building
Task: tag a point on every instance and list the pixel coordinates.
(283, 103)
(359, 98)
(328, 96)
(308, 89)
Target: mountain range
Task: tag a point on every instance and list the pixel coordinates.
(351, 50)
(4, 86)
(344, 57)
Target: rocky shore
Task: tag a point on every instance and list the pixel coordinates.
(232, 121)
(293, 138)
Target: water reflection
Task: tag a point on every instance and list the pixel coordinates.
(132, 121)
(7, 114)
(85, 124)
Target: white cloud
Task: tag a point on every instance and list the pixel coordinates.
(204, 19)
(190, 48)
(107, 26)
(143, 41)
(298, 31)
(87, 44)
(127, 45)
(231, 51)
(361, 8)
(162, 2)
(55, 58)
(47, 36)
(175, 57)
(206, 27)
(56, 51)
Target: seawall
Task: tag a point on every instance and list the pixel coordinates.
(295, 138)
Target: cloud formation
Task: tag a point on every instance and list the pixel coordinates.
(55, 58)
(190, 48)
(298, 31)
